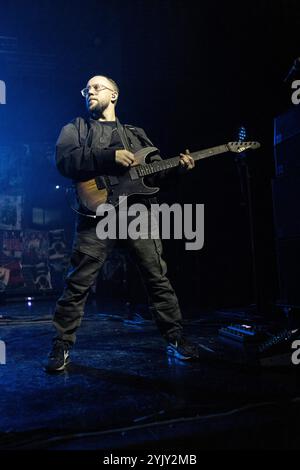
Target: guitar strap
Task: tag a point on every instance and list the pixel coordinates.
(124, 139)
(123, 135)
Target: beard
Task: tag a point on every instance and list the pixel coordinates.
(96, 108)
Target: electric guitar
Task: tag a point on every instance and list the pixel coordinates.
(113, 189)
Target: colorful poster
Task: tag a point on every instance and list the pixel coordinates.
(32, 259)
(57, 245)
(41, 276)
(35, 260)
(12, 243)
(35, 247)
(10, 255)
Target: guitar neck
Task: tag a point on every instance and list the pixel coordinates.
(156, 167)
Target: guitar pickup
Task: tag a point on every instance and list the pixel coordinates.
(113, 180)
(133, 174)
(100, 182)
(105, 182)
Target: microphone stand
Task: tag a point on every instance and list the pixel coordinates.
(243, 167)
(245, 178)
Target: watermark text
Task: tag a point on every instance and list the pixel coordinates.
(296, 354)
(2, 92)
(2, 353)
(296, 94)
(162, 220)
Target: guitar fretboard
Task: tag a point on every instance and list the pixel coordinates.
(156, 167)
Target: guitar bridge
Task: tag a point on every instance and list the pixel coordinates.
(106, 182)
(133, 174)
(113, 180)
(100, 182)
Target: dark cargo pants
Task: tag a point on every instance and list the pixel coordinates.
(88, 256)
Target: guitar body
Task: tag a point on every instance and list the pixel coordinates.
(130, 181)
(126, 184)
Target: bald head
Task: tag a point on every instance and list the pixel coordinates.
(107, 81)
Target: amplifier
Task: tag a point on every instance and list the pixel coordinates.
(288, 256)
(286, 202)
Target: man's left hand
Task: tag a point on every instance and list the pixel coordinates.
(186, 161)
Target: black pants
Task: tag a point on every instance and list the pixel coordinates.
(89, 254)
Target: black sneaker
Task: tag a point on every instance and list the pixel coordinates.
(59, 356)
(182, 349)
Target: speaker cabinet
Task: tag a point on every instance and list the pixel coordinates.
(286, 205)
(288, 257)
(287, 142)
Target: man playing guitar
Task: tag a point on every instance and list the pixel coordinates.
(87, 149)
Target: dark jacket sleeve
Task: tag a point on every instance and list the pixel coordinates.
(81, 162)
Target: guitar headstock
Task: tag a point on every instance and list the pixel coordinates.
(240, 146)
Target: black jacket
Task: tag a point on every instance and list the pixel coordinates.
(82, 149)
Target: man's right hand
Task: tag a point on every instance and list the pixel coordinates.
(125, 158)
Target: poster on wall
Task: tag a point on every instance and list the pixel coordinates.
(41, 276)
(57, 246)
(10, 212)
(11, 276)
(35, 247)
(58, 257)
(35, 260)
(4, 278)
(12, 243)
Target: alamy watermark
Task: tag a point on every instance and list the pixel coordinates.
(2, 353)
(296, 94)
(160, 221)
(296, 354)
(2, 92)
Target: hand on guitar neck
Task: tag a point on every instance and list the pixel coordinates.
(126, 159)
(186, 161)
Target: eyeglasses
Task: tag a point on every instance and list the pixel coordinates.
(96, 87)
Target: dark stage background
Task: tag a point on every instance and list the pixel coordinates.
(190, 73)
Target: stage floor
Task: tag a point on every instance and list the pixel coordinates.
(122, 391)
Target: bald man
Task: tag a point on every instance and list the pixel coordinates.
(88, 148)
